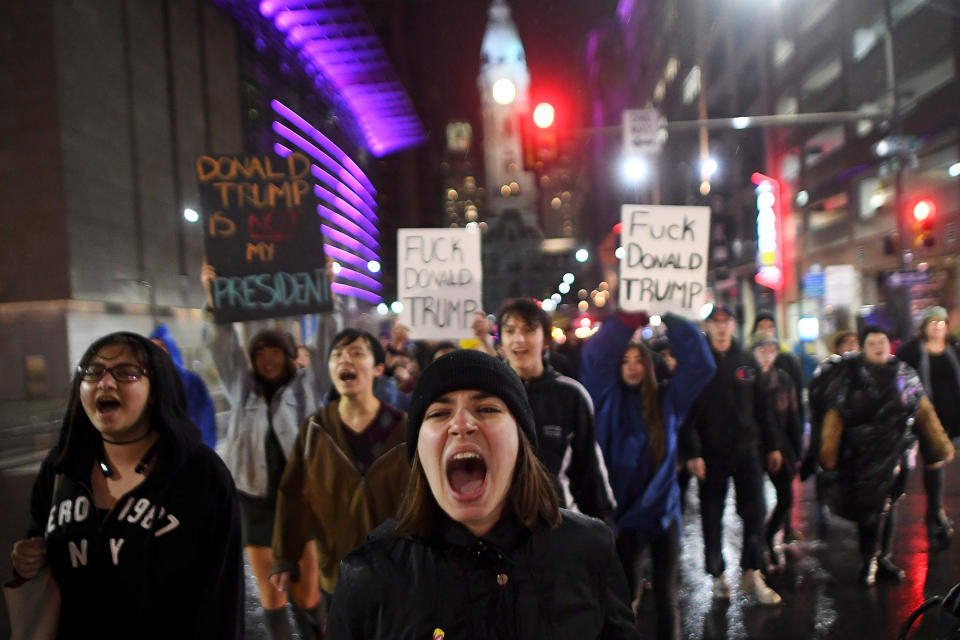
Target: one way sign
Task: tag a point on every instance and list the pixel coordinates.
(644, 131)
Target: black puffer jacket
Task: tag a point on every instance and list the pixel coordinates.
(564, 582)
(876, 406)
(732, 417)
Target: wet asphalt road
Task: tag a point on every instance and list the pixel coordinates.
(818, 584)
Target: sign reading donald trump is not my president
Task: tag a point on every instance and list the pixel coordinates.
(664, 263)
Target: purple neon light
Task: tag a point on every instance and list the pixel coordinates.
(344, 191)
(311, 149)
(347, 225)
(342, 255)
(335, 41)
(348, 241)
(359, 278)
(346, 209)
(342, 289)
(326, 143)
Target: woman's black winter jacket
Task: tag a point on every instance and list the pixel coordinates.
(563, 582)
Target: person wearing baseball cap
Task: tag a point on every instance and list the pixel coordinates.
(936, 357)
(729, 423)
(480, 505)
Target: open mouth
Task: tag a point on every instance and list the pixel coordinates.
(347, 376)
(467, 474)
(106, 406)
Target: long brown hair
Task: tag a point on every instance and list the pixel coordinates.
(532, 497)
(650, 398)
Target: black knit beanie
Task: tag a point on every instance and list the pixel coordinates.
(272, 338)
(469, 369)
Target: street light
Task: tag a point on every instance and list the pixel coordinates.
(635, 169)
(708, 167)
(582, 255)
(568, 278)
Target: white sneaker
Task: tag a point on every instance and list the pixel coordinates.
(754, 585)
(721, 587)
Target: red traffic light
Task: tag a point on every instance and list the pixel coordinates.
(543, 115)
(924, 210)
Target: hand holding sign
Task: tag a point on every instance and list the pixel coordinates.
(664, 265)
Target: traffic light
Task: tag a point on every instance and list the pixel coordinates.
(924, 211)
(539, 131)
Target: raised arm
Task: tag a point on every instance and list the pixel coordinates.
(600, 360)
(221, 340)
(695, 363)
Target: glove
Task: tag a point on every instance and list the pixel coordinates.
(634, 320)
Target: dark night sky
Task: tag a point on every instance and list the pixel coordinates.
(440, 40)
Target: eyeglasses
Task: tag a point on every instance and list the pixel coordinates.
(124, 373)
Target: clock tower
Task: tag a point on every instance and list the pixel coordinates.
(504, 84)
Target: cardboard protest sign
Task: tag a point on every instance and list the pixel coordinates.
(664, 264)
(439, 281)
(262, 234)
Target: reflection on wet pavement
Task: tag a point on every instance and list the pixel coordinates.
(821, 598)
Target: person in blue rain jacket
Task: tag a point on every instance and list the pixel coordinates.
(637, 424)
(199, 403)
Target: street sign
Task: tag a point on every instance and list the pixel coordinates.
(644, 131)
(815, 284)
(907, 278)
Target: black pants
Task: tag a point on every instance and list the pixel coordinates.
(748, 483)
(665, 553)
(783, 483)
(933, 481)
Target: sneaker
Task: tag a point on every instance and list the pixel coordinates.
(889, 571)
(721, 587)
(868, 572)
(754, 585)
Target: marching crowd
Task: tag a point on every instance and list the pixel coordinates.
(503, 491)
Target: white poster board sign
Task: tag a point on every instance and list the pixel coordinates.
(439, 281)
(664, 263)
(840, 285)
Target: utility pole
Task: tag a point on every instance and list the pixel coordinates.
(896, 122)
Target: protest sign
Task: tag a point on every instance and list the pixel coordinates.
(664, 263)
(262, 234)
(439, 281)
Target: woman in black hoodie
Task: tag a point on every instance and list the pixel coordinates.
(137, 520)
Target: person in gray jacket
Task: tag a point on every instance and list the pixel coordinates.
(271, 397)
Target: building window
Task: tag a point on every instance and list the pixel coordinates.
(782, 52)
(691, 86)
(823, 144)
(813, 15)
(821, 77)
